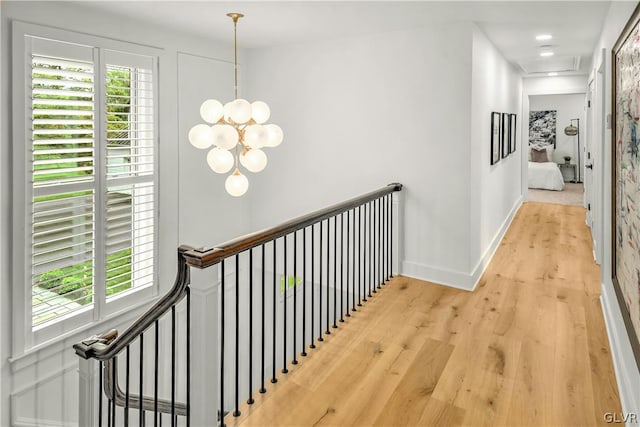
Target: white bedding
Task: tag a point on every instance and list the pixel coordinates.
(546, 176)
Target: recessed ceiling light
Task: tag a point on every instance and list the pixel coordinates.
(544, 37)
(552, 74)
(547, 53)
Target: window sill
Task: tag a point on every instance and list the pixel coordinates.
(66, 340)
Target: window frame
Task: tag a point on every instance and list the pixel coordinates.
(25, 336)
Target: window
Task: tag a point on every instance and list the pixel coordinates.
(91, 208)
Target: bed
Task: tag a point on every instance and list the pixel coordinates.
(546, 176)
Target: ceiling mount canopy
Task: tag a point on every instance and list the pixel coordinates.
(238, 126)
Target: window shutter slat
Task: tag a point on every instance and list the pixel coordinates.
(68, 106)
(62, 156)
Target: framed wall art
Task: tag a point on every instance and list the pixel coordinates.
(512, 132)
(504, 135)
(542, 128)
(495, 138)
(625, 182)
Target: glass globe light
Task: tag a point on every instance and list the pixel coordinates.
(224, 136)
(236, 184)
(256, 136)
(201, 136)
(220, 161)
(211, 111)
(254, 160)
(260, 111)
(239, 110)
(275, 135)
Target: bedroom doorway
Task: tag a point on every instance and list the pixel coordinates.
(557, 131)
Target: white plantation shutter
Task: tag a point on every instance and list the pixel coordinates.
(130, 171)
(93, 178)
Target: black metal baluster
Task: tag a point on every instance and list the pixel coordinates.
(349, 263)
(335, 269)
(360, 256)
(262, 274)
(250, 399)
(284, 312)
(355, 263)
(114, 382)
(379, 259)
(364, 254)
(313, 279)
(126, 396)
(320, 288)
(222, 336)
(295, 296)
(173, 365)
(385, 242)
(141, 373)
(188, 356)
(109, 403)
(236, 412)
(327, 331)
(304, 292)
(342, 265)
(371, 254)
(391, 238)
(372, 260)
(275, 295)
(155, 372)
(100, 374)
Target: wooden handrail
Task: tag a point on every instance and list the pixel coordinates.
(206, 257)
(106, 347)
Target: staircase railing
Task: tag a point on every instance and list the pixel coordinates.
(323, 267)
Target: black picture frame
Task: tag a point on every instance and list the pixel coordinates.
(496, 131)
(623, 77)
(512, 132)
(504, 135)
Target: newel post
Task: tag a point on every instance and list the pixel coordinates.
(88, 373)
(397, 232)
(204, 346)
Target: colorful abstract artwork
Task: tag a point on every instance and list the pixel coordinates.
(626, 183)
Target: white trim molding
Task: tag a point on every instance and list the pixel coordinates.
(458, 279)
(627, 373)
(484, 261)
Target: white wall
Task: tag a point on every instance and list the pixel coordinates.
(192, 200)
(495, 190)
(359, 113)
(626, 369)
(569, 106)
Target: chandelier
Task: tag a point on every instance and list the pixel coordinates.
(238, 133)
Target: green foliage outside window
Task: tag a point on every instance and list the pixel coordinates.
(75, 282)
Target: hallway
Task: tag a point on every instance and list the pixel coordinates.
(527, 347)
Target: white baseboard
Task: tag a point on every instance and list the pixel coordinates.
(484, 261)
(454, 279)
(627, 374)
(459, 279)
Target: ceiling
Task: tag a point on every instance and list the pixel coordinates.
(510, 25)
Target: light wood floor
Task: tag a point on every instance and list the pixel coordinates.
(527, 347)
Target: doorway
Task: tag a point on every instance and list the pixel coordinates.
(557, 124)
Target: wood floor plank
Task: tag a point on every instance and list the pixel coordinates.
(406, 403)
(528, 347)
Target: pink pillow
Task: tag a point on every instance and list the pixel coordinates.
(539, 156)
